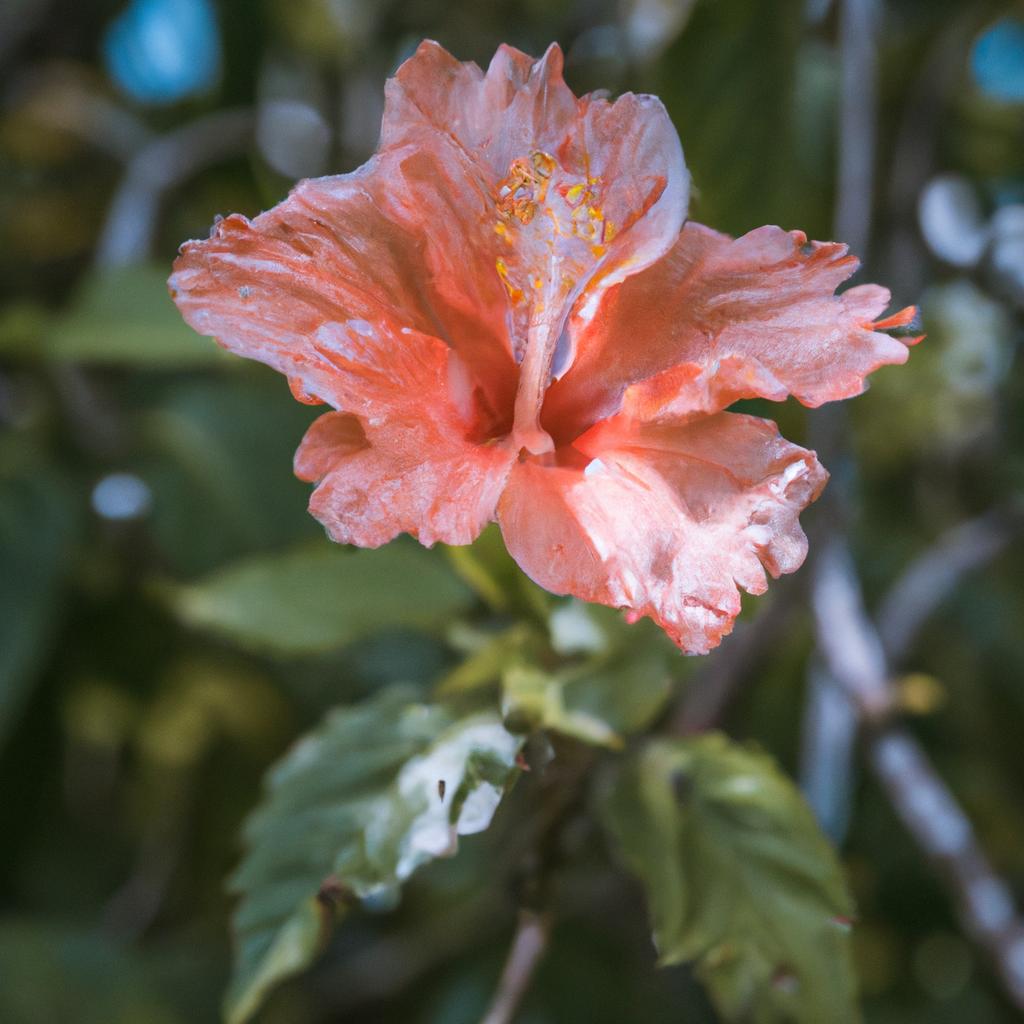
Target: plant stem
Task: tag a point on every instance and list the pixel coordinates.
(527, 951)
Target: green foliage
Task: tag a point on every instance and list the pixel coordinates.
(739, 879)
(628, 681)
(124, 315)
(488, 656)
(950, 401)
(618, 690)
(588, 675)
(37, 531)
(488, 568)
(22, 326)
(55, 972)
(133, 748)
(320, 597)
(729, 52)
(534, 699)
(353, 809)
(217, 454)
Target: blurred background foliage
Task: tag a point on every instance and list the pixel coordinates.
(171, 619)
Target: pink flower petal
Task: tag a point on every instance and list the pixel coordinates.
(719, 319)
(519, 105)
(666, 520)
(405, 464)
(506, 315)
(574, 195)
(331, 438)
(322, 289)
(371, 495)
(330, 253)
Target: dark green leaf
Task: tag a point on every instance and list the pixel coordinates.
(351, 812)
(488, 656)
(535, 699)
(37, 530)
(739, 879)
(728, 82)
(629, 681)
(489, 569)
(60, 972)
(218, 456)
(619, 689)
(320, 597)
(124, 315)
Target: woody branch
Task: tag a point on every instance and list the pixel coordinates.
(853, 652)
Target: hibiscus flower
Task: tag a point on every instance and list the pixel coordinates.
(512, 320)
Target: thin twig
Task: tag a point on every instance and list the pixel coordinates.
(830, 723)
(985, 903)
(854, 656)
(828, 744)
(934, 575)
(134, 906)
(848, 643)
(97, 425)
(127, 235)
(97, 120)
(127, 238)
(528, 947)
(562, 789)
(851, 648)
(857, 116)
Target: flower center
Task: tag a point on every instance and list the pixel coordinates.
(552, 235)
(525, 185)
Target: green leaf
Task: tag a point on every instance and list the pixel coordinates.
(319, 597)
(629, 684)
(218, 456)
(37, 531)
(596, 703)
(619, 689)
(56, 971)
(487, 658)
(739, 879)
(351, 812)
(124, 315)
(627, 693)
(22, 326)
(729, 82)
(487, 567)
(535, 699)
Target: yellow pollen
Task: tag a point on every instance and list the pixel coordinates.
(514, 293)
(543, 163)
(524, 187)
